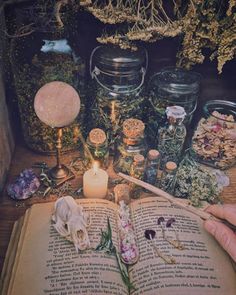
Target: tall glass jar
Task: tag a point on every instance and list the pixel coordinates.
(118, 78)
(132, 143)
(37, 59)
(214, 140)
(171, 137)
(171, 86)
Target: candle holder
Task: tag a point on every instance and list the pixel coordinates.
(57, 104)
(60, 173)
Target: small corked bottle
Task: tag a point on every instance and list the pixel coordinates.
(152, 166)
(97, 148)
(133, 143)
(171, 137)
(137, 171)
(168, 177)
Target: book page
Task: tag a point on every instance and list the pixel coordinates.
(201, 268)
(48, 264)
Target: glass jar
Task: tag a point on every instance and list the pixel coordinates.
(171, 86)
(132, 143)
(171, 137)
(152, 166)
(96, 149)
(137, 171)
(214, 140)
(168, 177)
(118, 77)
(37, 59)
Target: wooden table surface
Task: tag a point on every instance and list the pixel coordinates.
(23, 158)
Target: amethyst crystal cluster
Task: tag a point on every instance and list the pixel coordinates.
(24, 186)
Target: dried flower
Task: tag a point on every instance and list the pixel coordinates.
(160, 220)
(149, 234)
(170, 222)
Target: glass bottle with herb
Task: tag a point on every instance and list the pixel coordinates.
(133, 143)
(171, 137)
(168, 177)
(97, 148)
(152, 165)
(137, 171)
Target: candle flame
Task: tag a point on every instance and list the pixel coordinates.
(95, 167)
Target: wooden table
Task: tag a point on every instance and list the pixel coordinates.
(11, 210)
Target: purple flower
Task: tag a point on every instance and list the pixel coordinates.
(160, 220)
(149, 234)
(170, 222)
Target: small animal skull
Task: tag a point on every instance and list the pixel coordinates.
(71, 222)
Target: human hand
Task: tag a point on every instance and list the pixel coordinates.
(223, 234)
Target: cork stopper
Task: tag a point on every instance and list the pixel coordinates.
(171, 166)
(176, 112)
(122, 193)
(153, 154)
(97, 136)
(138, 159)
(133, 128)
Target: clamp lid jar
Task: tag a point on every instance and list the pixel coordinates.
(214, 140)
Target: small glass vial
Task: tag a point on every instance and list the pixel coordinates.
(152, 165)
(172, 136)
(97, 148)
(133, 143)
(137, 171)
(168, 177)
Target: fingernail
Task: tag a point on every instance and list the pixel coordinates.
(210, 226)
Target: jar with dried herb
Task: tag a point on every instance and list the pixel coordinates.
(96, 148)
(168, 177)
(137, 171)
(171, 86)
(133, 143)
(37, 59)
(117, 88)
(171, 137)
(151, 167)
(214, 140)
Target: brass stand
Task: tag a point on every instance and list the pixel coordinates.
(60, 173)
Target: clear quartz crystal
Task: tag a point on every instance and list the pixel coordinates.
(168, 177)
(171, 137)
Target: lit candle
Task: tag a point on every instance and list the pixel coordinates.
(95, 182)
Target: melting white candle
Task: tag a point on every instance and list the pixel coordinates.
(95, 182)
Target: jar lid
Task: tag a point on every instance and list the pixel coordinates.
(171, 166)
(97, 136)
(176, 80)
(133, 128)
(176, 112)
(153, 154)
(116, 61)
(138, 159)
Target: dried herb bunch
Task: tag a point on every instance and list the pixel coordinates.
(196, 183)
(200, 23)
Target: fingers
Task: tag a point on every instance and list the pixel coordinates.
(227, 212)
(225, 237)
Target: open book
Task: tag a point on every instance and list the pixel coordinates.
(40, 262)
